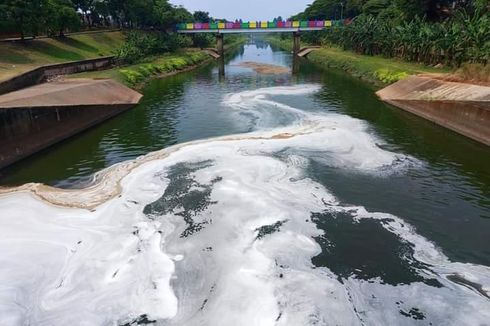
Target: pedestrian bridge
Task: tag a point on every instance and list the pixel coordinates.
(257, 27)
(296, 27)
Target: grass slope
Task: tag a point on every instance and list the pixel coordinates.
(135, 75)
(376, 70)
(18, 57)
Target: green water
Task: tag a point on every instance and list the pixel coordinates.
(447, 198)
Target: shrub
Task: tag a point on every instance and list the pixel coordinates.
(464, 38)
(388, 76)
(142, 44)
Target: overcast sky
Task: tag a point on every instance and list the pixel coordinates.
(246, 9)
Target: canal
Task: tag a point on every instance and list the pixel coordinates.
(336, 209)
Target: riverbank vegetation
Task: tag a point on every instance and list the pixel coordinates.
(31, 18)
(383, 41)
(431, 32)
(376, 70)
(147, 34)
(136, 74)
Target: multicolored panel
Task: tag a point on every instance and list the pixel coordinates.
(263, 24)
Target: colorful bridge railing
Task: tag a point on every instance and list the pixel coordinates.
(261, 25)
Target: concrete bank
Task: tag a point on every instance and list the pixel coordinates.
(40, 74)
(463, 108)
(37, 117)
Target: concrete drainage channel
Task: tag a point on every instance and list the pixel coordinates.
(34, 115)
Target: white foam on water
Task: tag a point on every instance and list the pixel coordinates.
(249, 264)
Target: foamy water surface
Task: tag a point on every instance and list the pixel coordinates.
(233, 231)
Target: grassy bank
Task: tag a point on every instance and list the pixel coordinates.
(376, 70)
(18, 57)
(137, 74)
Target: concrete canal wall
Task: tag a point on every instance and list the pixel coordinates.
(38, 75)
(37, 117)
(463, 108)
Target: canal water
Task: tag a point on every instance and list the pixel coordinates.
(318, 205)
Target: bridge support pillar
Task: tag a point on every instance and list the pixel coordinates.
(219, 44)
(296, 43)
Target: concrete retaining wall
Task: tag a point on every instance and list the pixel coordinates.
(463, 108)
(36, 117)
(39, 74)
(26, 131)
(469, 119)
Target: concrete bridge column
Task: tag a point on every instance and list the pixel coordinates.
(219, 44)
(296, 43)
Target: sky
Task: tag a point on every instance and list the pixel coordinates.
(246, 9)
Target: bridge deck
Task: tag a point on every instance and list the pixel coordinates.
(251, 30)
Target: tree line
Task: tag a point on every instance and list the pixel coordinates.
(426, 31)
(55, 17)
(393, 10)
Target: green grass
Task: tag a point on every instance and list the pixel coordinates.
(135, 75)
(376, 70)
(18, 57)
(284, 44)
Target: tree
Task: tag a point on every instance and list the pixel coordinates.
(62, 16)
(201, 16)
(433, 10)
(102, 9)
(25, 15)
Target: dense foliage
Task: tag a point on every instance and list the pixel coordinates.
(142, 44)
(452, 42)
(397, 10)
(431, 32)
(150, 22)
(34, 17)
(136, 74)
(54, 17)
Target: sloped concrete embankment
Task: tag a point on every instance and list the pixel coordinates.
(37, 117)
(40, 74)
(463, 108)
